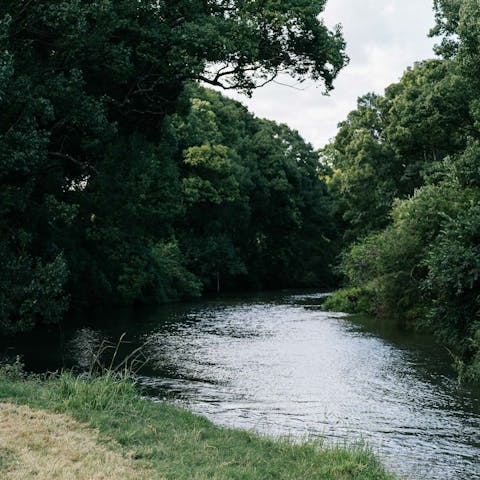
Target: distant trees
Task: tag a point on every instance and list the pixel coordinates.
(386, 148)
(256, 212)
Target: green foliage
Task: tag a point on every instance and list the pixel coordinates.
(12, 371)
(391, 262)
(174, 280)
(362, 180)
(258, 39)
(352, 300)
(453, 282)
(107, 166)
(31, 291)
(386, 148)
(256, 212)
(447, 17)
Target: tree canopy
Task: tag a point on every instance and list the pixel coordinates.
(120, 181)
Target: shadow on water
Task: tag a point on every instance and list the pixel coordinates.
(278, 364)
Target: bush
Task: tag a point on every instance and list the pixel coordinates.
(453, 282)
(351, 300)
(390, 265)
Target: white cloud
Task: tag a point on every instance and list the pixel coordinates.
(383, 37)
(390, 8)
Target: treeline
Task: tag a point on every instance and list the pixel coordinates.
(122, 181)
(405, 175)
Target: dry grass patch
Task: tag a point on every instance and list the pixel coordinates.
(44, 446)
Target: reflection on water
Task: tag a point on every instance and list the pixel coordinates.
(280, 365)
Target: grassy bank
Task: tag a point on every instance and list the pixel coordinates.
(157, 441)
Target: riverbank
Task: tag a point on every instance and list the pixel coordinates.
(154, 441)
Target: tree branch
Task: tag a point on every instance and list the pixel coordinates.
(66, 156)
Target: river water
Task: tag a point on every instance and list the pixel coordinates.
(278, 364)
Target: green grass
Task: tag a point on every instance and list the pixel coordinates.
(5, 460)
(177, 444)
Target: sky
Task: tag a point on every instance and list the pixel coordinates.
(383, 38)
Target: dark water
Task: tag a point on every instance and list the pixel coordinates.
(279, 365)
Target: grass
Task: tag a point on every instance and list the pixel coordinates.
(160, 441)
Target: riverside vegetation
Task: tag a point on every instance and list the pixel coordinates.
(406, 182)
(141, 439)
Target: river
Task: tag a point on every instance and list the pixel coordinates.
(278, 364)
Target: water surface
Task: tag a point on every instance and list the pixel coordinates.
(279, 365)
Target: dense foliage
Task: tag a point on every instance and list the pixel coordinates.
(255, 209)
(406, 178)
(121, 182)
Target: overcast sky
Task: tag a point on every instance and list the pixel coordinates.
(383, 37)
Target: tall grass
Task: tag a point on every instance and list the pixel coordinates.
(178, 445)
(111, 392)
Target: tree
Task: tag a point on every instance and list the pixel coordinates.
(256, 211)
(213, 176)
(292, 226)
(364, 170)
(389, 145)
(91, 184)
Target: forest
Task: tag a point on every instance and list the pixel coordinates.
(123, 181)
(126, 181)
